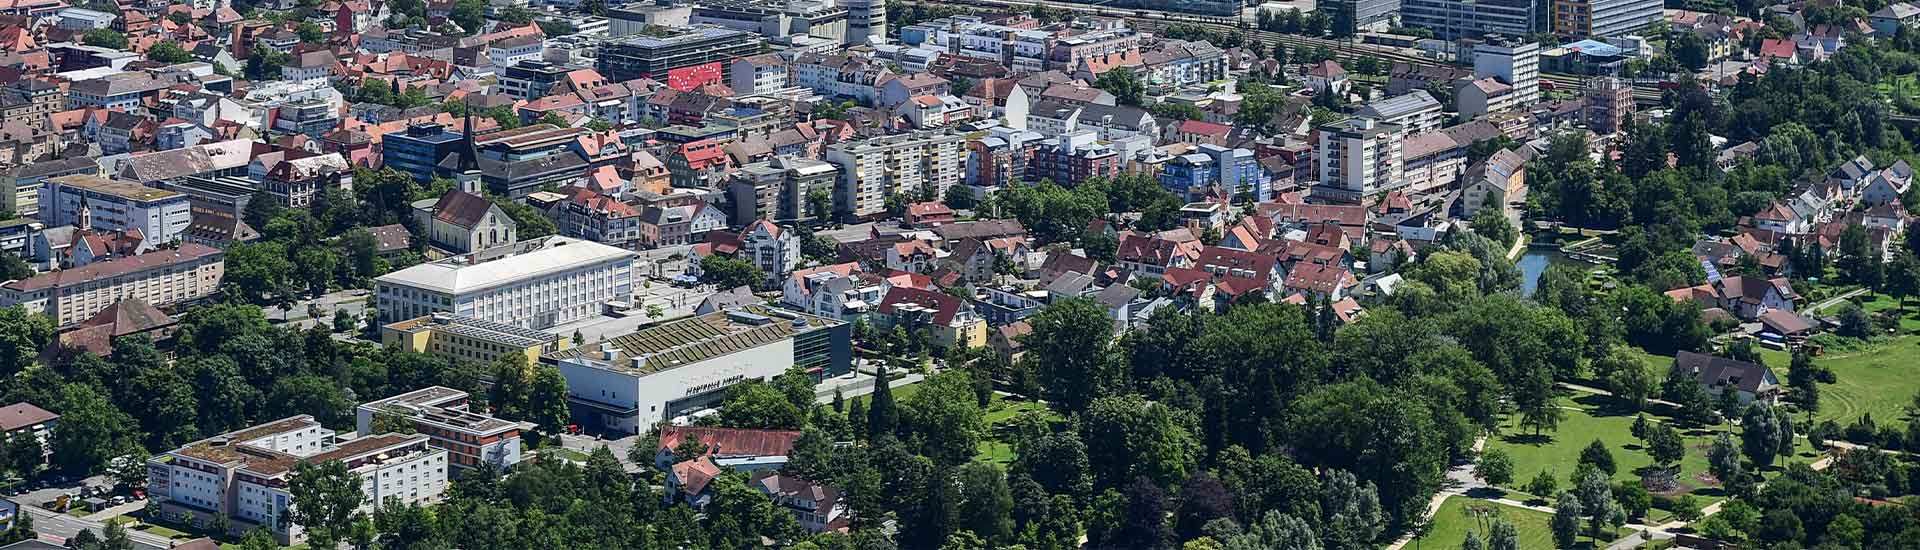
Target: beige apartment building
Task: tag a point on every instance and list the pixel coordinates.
(162, 277)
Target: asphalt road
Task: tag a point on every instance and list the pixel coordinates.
(57, 527)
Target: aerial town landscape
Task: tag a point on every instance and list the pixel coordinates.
(963, 275)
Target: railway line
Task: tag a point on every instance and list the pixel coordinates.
(1344, 51)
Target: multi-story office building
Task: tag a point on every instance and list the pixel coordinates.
(312, 117)
(115, 205)
(1358, 158)
(470, 438)
(1604, 18)
(1066, 53)
(840, 76)
(876, 168)
(631, 382)
(532, 79)
(163, 278)
(419, 150)
(242, 475)
(1513, 61)
(642, 56)
(533, 284)
(1364, 14)
(20, 185)
(866, 21)
(1456, 19)
(467, 339)
(779, 189)
(816, 18)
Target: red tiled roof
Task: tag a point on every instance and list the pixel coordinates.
(21, 415)
(944, 307)
(729, 442)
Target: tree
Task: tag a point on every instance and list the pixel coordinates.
(759, 405)
(986, 503)
(1127, 437)
(1542, 484)
(169, 52)
(547, 399)
(91, 432)
(470, 15)
(1666, 446)
(944, 416)
(1125, 87)
(1067, 349)
(1596, 498)
(1495, 467)
(820, 203)
(1566, 520)
(883, 415)
(1597, 454)
(1689, 49)
(325, 496)
(529, 223)
(1203, 499)
(1765, 433)
(105, 38)
(727, 273)
(22, 337)
(1503, 536)
(115, 537)
(1493, 224)
(512, 384)
(1723, 460)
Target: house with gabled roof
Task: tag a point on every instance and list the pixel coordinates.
(1750, 381)
(465, 222)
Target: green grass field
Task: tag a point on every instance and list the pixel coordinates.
(1598, 417)
(999, 416)
(1452, 521)
(1592, 417)
(1880, 381)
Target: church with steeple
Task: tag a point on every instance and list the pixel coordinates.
(464, 220)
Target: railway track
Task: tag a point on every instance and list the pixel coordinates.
(1344, 51)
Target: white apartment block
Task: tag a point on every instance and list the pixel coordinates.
(873, 169)
(534, 284)
(1515, 62)
(243, 475)
(115, 206)
(161, 277)
(1358, 158)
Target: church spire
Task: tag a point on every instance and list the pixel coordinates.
(469, 176)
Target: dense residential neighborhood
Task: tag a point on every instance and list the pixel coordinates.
(891, 274)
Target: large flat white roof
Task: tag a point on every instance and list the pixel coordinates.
(555, 254)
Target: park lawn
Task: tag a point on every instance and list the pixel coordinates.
(1001, 412)
(1880, 381)
(1591, 417)
(563, 452)
(1451, 523)
(899, 392)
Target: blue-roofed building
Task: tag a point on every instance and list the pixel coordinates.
(1234, 170)
(1585, 57)
(420, 149)
(1187, 172)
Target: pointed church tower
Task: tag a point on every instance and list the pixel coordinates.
(469, 177)
(84, 219)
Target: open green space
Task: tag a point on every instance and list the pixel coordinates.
(1589, 417)
(1880, 381)
(562, 452)
(1457, 515)
(1001, 412)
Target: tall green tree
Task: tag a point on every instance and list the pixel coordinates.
(986, 503)
(547, 399)
(91, 432)
(325, 496)
(1068, 350)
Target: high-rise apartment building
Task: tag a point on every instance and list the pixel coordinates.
(873, 169)
(1513, 61)
(1358, 158)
